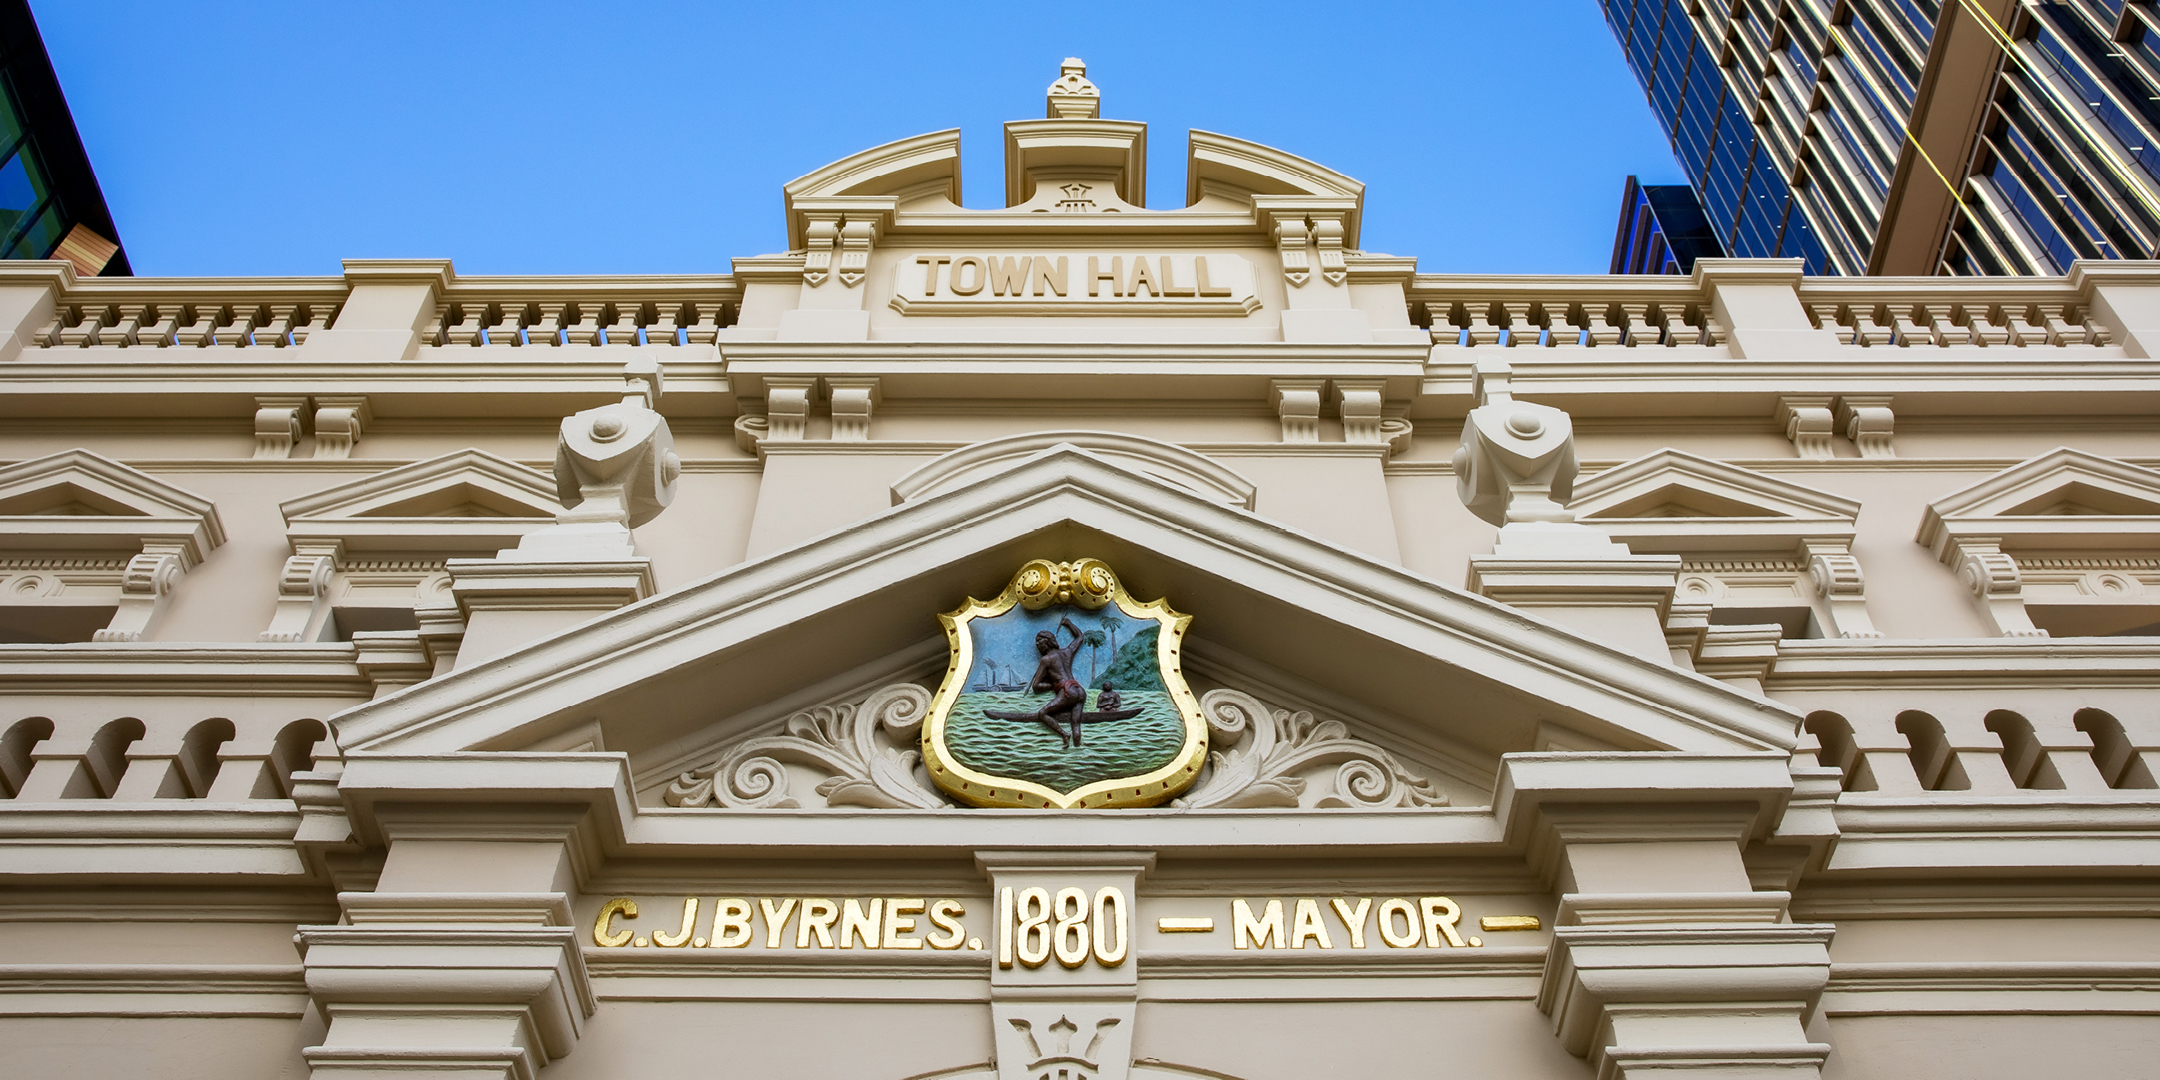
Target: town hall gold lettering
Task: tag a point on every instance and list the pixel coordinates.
(1155, 278)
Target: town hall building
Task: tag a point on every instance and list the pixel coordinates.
(1070, 639)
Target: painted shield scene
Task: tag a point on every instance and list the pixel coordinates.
(1064, 696)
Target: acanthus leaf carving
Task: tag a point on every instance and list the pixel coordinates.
(1281, 744)
(841, 739)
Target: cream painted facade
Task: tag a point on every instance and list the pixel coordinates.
(1779, 649)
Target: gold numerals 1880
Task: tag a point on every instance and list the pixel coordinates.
(1035, 924)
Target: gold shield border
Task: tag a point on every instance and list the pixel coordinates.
(1090, 584)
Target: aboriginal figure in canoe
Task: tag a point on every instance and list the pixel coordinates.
(1066, 712)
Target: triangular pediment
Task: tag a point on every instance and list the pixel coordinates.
(1672, 501)
(2063, 498)
(855, 608)
(463, 502)
(76, 501)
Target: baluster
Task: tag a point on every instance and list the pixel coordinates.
(666, 320)
(198, 326)
(2095, 333)
(546, 327)
(1599, 326)
(704, 329)
(125, 329)
(307, 319)
(2024, 332)
(1826, 317)
(49, 336)
(2059, 331)
(236, 332)
(1984, 330)
(1713, 328)
(1909, 331)
(1944, 332)
(85, 332)
(624, 329)
(586, 330)
(163, 329)
(432, 333)
(271, 334)
(1483, 331)
(1680, 328)
(503, 332)
(1637, 329)
(1521, 331)
(471, 316)
(1868, 330)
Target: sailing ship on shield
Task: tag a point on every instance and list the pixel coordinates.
(1064, 692)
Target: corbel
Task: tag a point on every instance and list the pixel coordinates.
(856, 236)
(787, 408)
(819, 238)
(277, 425)
(1328, 238)
(1808, 422)
(303, 604)
(1840, 586)
(1361, 406)
(1997, 586)
(1291, 241)
(1297, 402)
(338, 423)
(853, 399)
(848, 226)
(144, 586)
(1869, 423)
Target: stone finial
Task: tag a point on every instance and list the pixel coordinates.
(1072, 96)
(615, 469)
(1516, 467)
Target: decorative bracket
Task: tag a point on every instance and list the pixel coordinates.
(277, 425)
(1808, 423)
(1869, 423)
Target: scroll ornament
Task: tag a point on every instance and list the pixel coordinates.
(1279, 744)
(842, 740)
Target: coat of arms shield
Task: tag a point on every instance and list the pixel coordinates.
(1064, 692)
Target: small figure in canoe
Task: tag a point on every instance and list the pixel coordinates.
(1066, 712)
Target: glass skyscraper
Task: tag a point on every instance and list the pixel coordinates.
(50, 203)
(1910, 136)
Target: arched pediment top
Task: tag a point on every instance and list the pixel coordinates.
(78, 499)
(2064, 495)
(907, 165)
(1167, 462)
(1220, 160)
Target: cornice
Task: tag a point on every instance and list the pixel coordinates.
(134, 669)
(1859, 664)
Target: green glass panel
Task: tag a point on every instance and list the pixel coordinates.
(43, 235)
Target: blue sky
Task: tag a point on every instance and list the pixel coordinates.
(628, 137)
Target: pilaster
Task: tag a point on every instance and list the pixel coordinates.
(1062, 1004)
(463, 961)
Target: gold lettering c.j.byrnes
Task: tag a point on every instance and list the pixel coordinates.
(878, 922)
(1137, 277)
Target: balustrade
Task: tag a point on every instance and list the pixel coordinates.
(127, 760)
(1996, 753)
